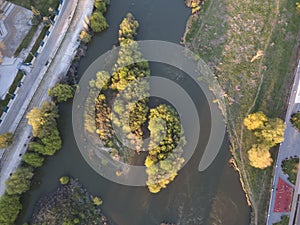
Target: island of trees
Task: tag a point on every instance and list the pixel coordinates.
(165, 155)
(70, 204)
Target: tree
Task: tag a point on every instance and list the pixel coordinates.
(255, 121)
(48, 145)
(98, 22)
(85, 36)
(259, 156)
(33, 159)
(10, 207)
(43, 120)
(6, 139)
(19, 182)
(64, 180)
(101, 6)
(62, 92)
(97, 201)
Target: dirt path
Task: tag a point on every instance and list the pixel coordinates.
(250, 194)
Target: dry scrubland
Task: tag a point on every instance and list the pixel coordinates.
(227, 35)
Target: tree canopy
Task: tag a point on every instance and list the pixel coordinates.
(10, 207)
(19, 182)
(43, 120)
(269, 132)
(165, 152)
(61, 92)
(98, 22)
(33, 159)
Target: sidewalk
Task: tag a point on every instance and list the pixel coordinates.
(58, 69)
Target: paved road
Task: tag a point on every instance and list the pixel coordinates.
(289, 148)
(58, 68)
(32, 80)
(15, 121)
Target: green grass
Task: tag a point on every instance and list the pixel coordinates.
(227, 35)
(284, 221)
(41, 5)
(295, 120)
(290, 167)
(26, 41)
(12, 89)
(37, 44)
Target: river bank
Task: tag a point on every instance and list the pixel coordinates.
(223, 39)
(193, 198)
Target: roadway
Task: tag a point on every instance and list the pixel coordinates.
(31, 82)
(288, 148)
(33, 91)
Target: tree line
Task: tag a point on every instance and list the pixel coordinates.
(46, 141)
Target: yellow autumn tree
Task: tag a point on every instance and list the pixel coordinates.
(259, 156)
(255, 120)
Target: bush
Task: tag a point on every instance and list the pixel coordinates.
(85, 36)
(97, 201)
(64, 180)
(10, 207)
(61, 92)
(19, 182)
(33, 159)
(98, 22)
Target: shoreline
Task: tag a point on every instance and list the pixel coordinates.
(232, 161)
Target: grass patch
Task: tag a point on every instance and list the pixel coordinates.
(26, 41)
(227, 36)
(295, 120)
(13, 87)
(284, 221)
(290, 167)
(37, 44)
(41, 5)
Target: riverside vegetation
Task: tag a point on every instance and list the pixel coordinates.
(251, 48)
(162, 162)
(46, 139)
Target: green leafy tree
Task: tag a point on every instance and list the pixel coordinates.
(6, 139)
(33, 159)
(10, 207)
(98, 22)
(101, 6)
(48, 145)
(64, 180)
(165, 147)
(19, 182)
(61, 92)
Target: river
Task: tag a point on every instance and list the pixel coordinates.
(213, 197)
